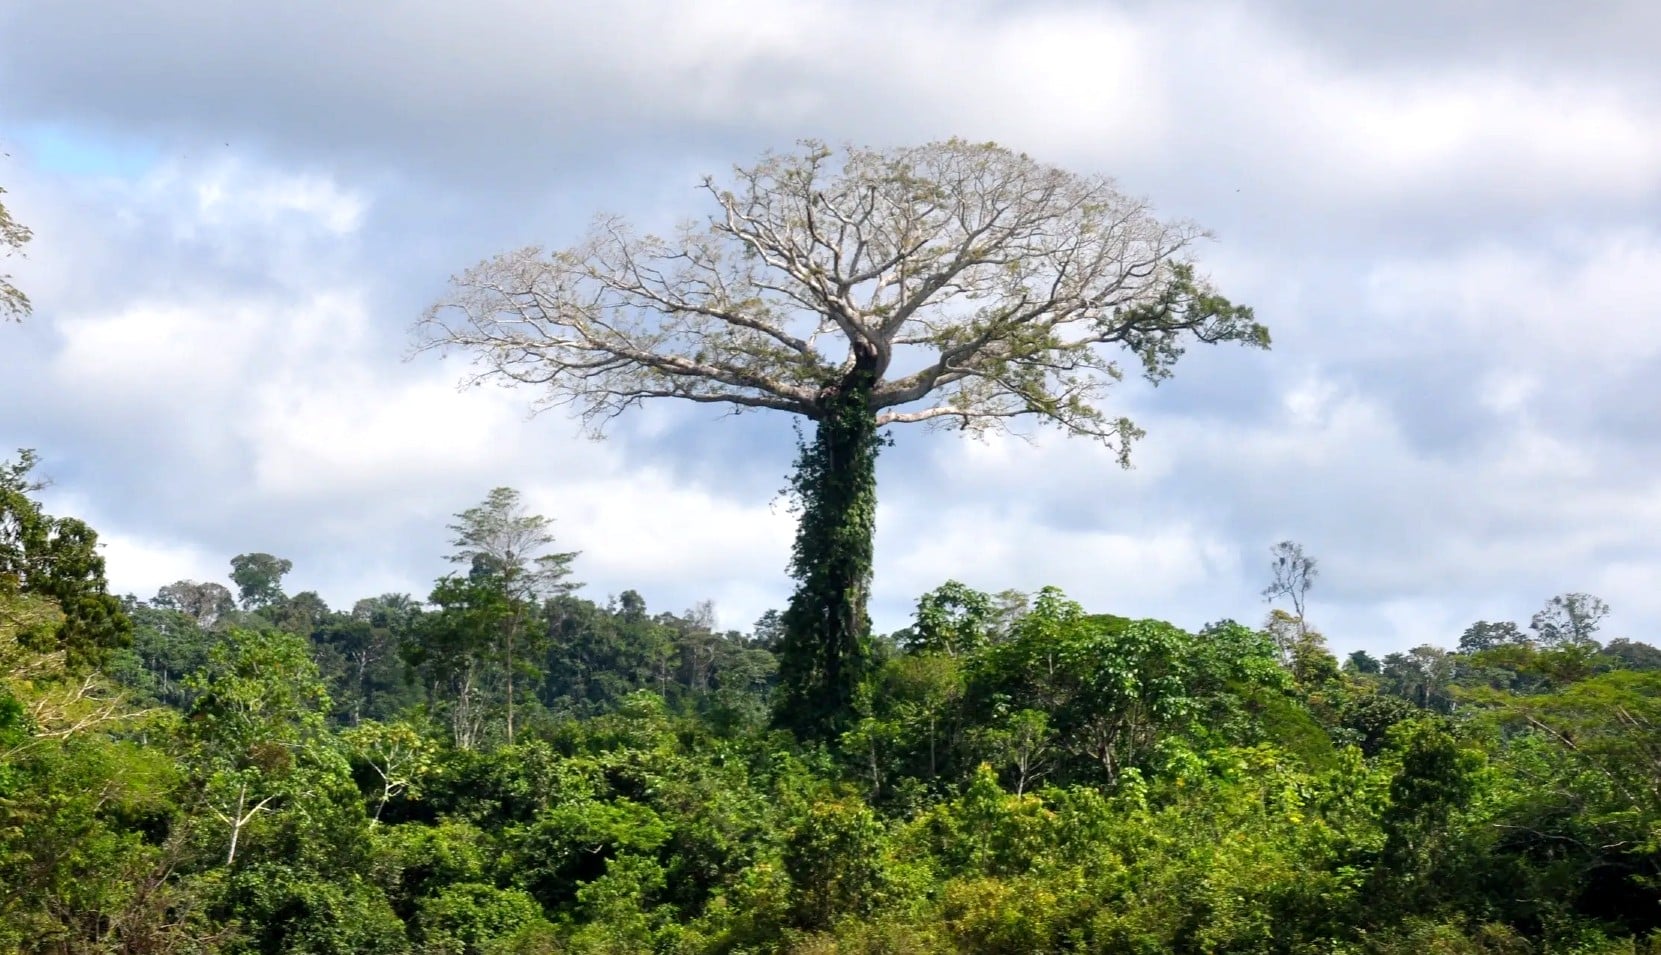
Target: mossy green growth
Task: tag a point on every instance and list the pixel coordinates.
(826, 651)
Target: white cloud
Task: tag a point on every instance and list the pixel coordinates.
(995, 547)
(1581, 300)
(640, 524)
(1472, 254)
(233, 195)
(1508, 392)
(141, 567)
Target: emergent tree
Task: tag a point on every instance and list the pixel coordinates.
(955, 284)
(505, 545)
(1294, 573)
(259, 579)
(1569, 620)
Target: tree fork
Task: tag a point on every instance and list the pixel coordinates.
(826, 650)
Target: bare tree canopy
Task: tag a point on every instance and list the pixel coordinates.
(1294, 573)
(1569, 620)
(976, 284)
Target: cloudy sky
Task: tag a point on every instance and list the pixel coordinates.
(1449, 218)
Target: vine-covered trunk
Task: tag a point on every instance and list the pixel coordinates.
(826, 649)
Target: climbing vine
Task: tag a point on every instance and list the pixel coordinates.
(826, 651)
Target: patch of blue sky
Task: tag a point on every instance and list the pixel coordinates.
(72, 152)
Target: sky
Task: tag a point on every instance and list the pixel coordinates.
(1449, 216)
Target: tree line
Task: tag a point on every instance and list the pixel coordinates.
(506, 766)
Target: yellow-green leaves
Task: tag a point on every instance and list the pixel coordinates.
(13, 236)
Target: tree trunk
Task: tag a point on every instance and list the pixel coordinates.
(825, 653)
(237, 820)
(464, 716)
(513, 627)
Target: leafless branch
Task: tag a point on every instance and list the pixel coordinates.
(1014, 283)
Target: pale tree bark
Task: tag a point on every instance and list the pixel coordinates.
(398, 754)
(467, 709)
(240, 816)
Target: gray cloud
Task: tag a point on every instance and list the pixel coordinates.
(1616, 42)
(1445, 215)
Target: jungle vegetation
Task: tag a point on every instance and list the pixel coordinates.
(503, 765)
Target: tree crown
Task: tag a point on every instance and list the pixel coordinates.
(980, 285)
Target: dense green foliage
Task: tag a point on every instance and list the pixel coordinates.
(1020, 776)
(56, 558)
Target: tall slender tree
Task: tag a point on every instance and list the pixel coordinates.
(953, 284)
(1293, 573)
(506, 549)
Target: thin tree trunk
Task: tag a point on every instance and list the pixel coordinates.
(512, 627)
(933, 773)
(239, 818)
(236, 823)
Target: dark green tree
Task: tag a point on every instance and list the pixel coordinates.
(1437, 778)
(167, 647)
(1586, 797)
(70, 570)
(1633, 654)
(1423, 676)
(57, 558)
(259, 579)
(1485, 635)
(767, 632)
(369, 680)
(1363, 663)
(300, 614)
